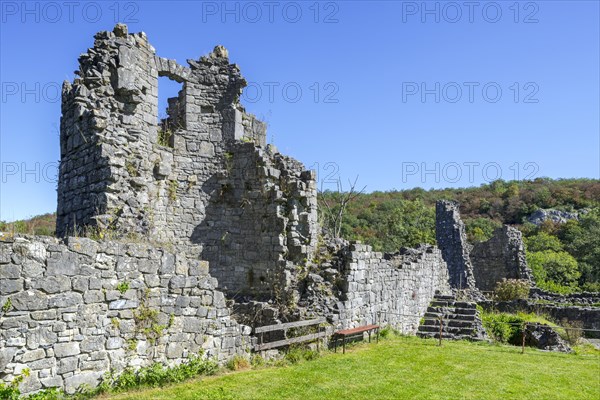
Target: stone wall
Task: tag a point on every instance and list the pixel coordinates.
(481, 266)
(452, 240)
(587, 316)
(202, 176)
(502, 256)
(79, 308)
(393, 289)
(260, 221)
(357, 286)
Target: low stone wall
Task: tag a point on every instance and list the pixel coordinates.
(74, 310)
(579, 299)
(393, 289)
(589, 317)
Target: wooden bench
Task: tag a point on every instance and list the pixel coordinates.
(321, 333)
(351, 332)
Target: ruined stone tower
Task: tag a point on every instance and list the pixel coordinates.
(202, 177)
(452, 240)
(481, 266)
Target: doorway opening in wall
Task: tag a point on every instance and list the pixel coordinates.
(170, 110)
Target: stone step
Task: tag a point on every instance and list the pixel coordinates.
(443, 297)
(446, 329)
(452, 322)
(463, 317)
(452, 310)
(441, 303)
(465, 304)
(449, 336)
(452, 303)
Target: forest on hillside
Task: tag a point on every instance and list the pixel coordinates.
(564, 257)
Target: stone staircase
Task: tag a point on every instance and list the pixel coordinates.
(460, 320)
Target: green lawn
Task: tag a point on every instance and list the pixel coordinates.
(406, 368)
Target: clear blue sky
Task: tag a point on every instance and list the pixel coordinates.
(370, 62)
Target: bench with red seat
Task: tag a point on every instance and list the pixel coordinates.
(345, 333)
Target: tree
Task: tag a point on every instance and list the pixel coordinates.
(582, 240)
(543, 241)
(407, 224)
(480, 229)
(335, 207)
(554, 266)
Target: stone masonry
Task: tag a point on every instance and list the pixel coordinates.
(358, 286)
(482, 265)
(390, 289)
(203, 175)
(80, 308)
(501, 257)
(452, 240)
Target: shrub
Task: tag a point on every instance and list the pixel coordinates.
(296, 354)
(11, 390)
(293, 356)
(480, 229)
(257, 360)
(238, 363)
(504, 328)
(512, 289)
(389, 331)
(156, 375)
(552, 266)
(543, 241)
(122, 287)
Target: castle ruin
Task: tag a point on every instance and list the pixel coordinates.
(196, 219)
(201, 177)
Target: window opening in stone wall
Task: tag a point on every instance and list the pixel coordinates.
(171, 110)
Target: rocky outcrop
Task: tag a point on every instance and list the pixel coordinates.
(545, 338)
(557, 216)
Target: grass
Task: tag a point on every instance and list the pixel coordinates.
(405, 368)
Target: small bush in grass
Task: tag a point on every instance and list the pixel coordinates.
(296, 354)
(238, 363)
(504, 328)
(257, 360)
(310, 354)
(388, 331)
(512, 289)
(155, 375)
(293, 356)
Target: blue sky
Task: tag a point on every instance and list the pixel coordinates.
(403, 94)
